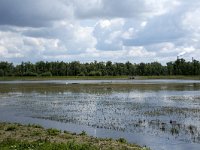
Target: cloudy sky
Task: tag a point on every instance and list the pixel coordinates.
(102, 30)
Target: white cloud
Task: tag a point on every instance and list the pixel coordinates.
(134, 30)
(139, 52)
(69, 36)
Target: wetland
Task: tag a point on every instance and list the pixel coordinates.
(161, 114)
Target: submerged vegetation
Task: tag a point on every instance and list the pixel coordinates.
(99, 69)
(34, 137)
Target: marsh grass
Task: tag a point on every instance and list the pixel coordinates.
(11, 128)
(174, 131)
(34, 137)
(83, 133)
(53, 132)
(122, 140)
(35, 126)
(10, 144)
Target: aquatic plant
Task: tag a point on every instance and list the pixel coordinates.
(174, 131)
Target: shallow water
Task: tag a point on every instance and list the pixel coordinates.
(162, 114)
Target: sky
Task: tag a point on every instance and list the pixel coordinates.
(102, 30)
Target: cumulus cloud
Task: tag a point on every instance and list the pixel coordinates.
(160, 29)
(108, 34)
(70, 36)
(134, 30)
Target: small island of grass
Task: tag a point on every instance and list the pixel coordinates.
(14, 136)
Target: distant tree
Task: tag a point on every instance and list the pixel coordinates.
(170, 67)
(141, 69)
(1, 73)
(75, 68)
(109, 68)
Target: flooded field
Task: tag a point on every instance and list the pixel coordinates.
(162, 114)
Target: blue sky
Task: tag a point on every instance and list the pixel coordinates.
(102, 30)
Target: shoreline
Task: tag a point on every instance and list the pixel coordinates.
(18, 136)
(97, 78)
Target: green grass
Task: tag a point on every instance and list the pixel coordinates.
(169, 77)
(53, 132)
(35, 126)
(122, 140)
(83, 133)
(33, 137)
(63, 78)
(10, 144)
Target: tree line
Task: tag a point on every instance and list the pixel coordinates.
(76, 68)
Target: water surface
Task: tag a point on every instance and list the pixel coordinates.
(162, 114)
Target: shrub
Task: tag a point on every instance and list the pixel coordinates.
(95, 73)
(46, 74)
(81, 74)
(30, 74)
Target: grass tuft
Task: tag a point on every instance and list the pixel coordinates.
(122, 140)
(53, 132)
(83, 133)
(11, 128)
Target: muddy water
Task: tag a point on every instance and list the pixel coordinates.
(162, 114)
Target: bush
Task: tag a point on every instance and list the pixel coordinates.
(81, 74)
(33, 74)
(95, 73)
(46, 74)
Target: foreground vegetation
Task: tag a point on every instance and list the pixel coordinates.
(35, 137)
(75, 68)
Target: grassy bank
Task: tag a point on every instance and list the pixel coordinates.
(35, 137)
(64, 78)
(169, 77)
(97, 78)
